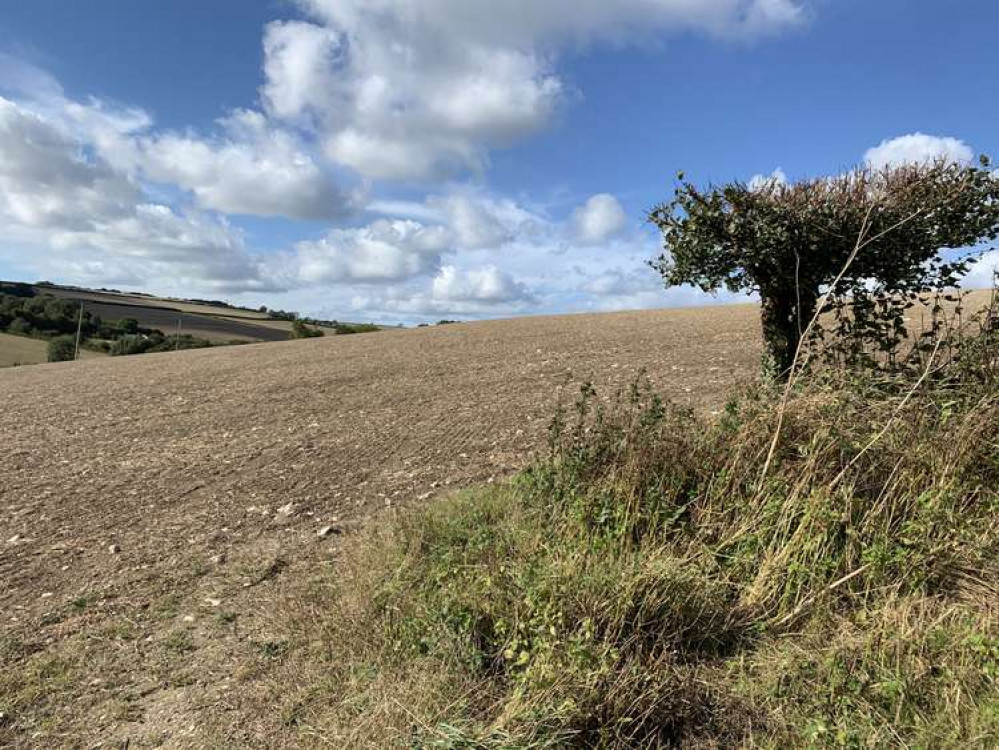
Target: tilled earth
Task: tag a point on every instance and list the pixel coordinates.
(153, 508)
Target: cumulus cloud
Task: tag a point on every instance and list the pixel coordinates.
(54, 194)
(482, 222)
(386, 250)
(619, 282)
(250, 168)
(487, 284)
(453, 291)
(983, 274)
(420, 89)
(599, 219)
(45, 180)
(917, 148)
(760, 181)
(249, 165)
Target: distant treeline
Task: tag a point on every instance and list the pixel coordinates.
(307, 328)
(300, 324)
(444, 322)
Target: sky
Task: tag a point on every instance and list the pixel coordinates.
(403, 161)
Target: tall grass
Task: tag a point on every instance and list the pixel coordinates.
(645, 584)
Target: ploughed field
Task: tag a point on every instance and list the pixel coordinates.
(157, 507)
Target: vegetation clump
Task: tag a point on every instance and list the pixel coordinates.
(661, 580)
(62, 349)
(861, 246)
(299, 330)
(349, 328)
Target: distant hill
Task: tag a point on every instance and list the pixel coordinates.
(213, 321)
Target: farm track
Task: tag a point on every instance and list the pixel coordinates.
(142, 497)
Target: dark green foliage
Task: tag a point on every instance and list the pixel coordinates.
(19, 326)
(62, 349)
(16, 289)
(299, 330)
(128, 344)
(42, 314)
(349, 328)
(788, 243)
(128, 326)
(154, 341)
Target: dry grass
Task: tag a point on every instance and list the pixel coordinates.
(21, 350)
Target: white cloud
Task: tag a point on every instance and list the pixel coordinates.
(759, 181)
(249, 166)
(599, 219)
(419, 89)
(253, 168)
(301, 61)
(47, 181)
(983, 273)
(618, 282)
(56, 195)
(384, 251)
(489, 285)
(481, 221)
(475, 292)
(917, 148)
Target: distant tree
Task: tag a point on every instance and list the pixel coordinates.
(350, 328)
(128, 326)
(17, 289)
(62, 349)
(789, 242)
(299, 330)
(127, 344)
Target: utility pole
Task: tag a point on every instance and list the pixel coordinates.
(176, 347)
(79, 330)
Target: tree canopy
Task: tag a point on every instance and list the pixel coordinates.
(868, 231)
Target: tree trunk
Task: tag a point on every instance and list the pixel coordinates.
(785, 315)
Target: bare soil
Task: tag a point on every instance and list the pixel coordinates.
(153, 509)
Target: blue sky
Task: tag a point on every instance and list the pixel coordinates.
(405, 160)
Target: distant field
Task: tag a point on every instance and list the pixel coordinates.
(217, 324)
(20, 350)
(164, 319)
(139, 301)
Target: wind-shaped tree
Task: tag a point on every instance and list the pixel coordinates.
(867, 231)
